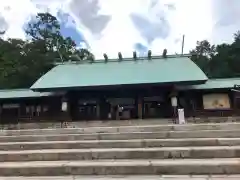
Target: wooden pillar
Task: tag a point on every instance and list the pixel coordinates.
(117, 113)
(1, 114)
(98, 109)
(19, 113)
(140, 108)
(235, 101)
(112, 111)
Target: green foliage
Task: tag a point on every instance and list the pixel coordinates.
(23, 62)
(221, 61)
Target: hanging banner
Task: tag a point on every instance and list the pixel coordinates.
(216, 101)
(174, 101)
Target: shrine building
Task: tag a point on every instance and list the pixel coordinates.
(124, 88)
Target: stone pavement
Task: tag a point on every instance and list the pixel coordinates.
(163, 177)
(177, 151)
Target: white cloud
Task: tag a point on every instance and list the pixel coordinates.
(16, 13)
(226, 19)
(121, 34)
(112, 26)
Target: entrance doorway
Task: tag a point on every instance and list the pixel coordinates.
(157, 107)
(123, 108)
(10, 113)
(86, 110)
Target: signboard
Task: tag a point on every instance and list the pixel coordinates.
(10, 106)
(181, 116)
(153, 98)
(87, 101)
(216, 101)
(118, 101)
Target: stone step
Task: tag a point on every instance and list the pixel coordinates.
(127, 135)
(83, 124)
(136, 177)
(133, 143)
(121, 153)
(122, 167)
(116, 129)
(111, 123)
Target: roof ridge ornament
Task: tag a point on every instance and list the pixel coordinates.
(164, 54)
(105, 57)
(120, 57)
(149, 55)
(134, 55)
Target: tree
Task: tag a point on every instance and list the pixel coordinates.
(221, 61)
(219, 64)
(202, 55)
(237, 37)
(10, 57)
(204, 48)
(45, 27)
(23, 62)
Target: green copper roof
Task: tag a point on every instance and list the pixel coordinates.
(99, 73)
(22, 93)
(226, 83)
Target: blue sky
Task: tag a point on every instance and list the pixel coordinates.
(108, 26)
(69, 29)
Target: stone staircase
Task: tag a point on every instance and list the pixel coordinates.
(149, 151)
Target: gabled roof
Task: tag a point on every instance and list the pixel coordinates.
(225, 83)
(125, 72)
(22, 93)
